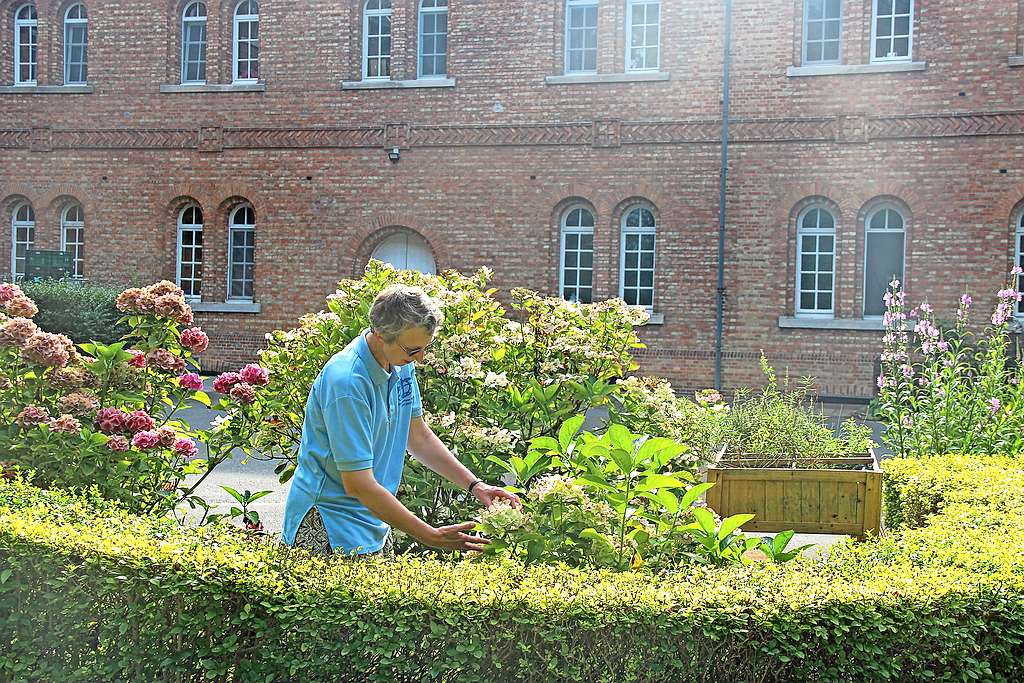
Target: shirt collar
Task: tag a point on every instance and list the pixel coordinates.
(377, 374)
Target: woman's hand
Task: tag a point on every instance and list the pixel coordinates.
(487, 494)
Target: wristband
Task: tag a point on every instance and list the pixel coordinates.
(473, 485)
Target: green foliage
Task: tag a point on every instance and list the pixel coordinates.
(775, 547)
(949, 388)
(90, 592)
(84, 312)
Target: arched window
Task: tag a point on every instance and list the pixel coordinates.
(193, 43)
(26, 45)
(892, 30)
(76, 45)
(23, 234)
(246, 43)
(189, 272)
(580, 36)
(823, 24)
(406, 251)
(377, 39)
(576, 281)
(815, 261)
(72, 237)
(643, 22)
(884, 242)
(433, 49)
(241, 253)
(636, 262)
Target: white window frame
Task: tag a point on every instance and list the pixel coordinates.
(190, 294)
(234, 228)
(78, 246)
(903, 257)
(640, 232)
(187, 21)
(381, 13)
(69, 23)
(803, 48)
(435, 9)
(580, 231)
(1018, 260)
(253, 19)
(629, 37)
(569, 4)
(33, 25)
(30, 226)
(801, 232)
(892, 36)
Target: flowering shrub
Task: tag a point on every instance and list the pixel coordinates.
(950, 391)
(104, 414)
(491, 383)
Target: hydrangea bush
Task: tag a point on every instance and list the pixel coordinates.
(104, 415)
(950, 389)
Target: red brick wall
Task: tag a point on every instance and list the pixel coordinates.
(487, 165)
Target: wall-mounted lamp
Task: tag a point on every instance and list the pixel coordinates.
(395, 154)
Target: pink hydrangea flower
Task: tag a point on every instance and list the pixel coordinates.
(46, 349)
(163, 288)
(111, 420)
(167, 436)
(134, 300)
(254, 374)
(9, 290)
(223, 383)
(21, 306)
(165, 360)
(16, 331)
(244, 393)
(171, 306)
(191, 381)
(138, 358)
(195, 340)
(31, 416)
(65, 424)
(139, 421)
(78, 403)
(146, 440)
(118, 443)
(186, 448)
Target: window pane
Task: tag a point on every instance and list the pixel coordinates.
(647, 242)
(884, 262)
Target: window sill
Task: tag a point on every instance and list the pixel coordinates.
(854, 69)
(384, 84)
(213, 87)
(1016, 60)
(823, 323)
(627, 77)
(48, 89)
(226, 307)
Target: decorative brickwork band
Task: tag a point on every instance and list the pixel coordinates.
(852, 128)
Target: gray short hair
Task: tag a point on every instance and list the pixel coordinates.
(399, 307)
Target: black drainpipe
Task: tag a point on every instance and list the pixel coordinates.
(722, 178)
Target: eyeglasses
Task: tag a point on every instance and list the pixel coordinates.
(413, 351)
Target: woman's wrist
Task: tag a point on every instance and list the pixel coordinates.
(473, 484)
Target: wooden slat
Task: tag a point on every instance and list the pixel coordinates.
(810, 500)
(713, 496)
(772, 474)
(774, 491)
(802, 527)
(828, 505)
(846, 503)
(873, 503)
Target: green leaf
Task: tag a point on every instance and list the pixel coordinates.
(568, 430)
(621, 438)
(705, 519)
(623, 460)
(781, 540)
(258, 495)
(732, 523)
(544, 443)
(660, 481)
(202, 397)
(233, 493)
(693, 493)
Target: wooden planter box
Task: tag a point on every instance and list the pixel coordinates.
(800, 494)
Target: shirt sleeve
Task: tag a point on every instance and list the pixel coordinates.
(347, 420)
(417, 402)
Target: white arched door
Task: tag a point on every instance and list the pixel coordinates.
(407, 251)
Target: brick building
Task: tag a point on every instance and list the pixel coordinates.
(867, 137)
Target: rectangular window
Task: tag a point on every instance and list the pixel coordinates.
(822, 31)
(578, 266)
(243, 264)
(892, 30)
(193, 52)
(883, 263)
(581, 36)
(27, 50)
(1019, 260)
(815, 273)
(643, 29)
(433, 44)
(378, 46)
(638, 269)
(190, 262)
(247, 47)
(74, 241)
(76, 45)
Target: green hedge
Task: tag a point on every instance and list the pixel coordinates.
(88, 593)
(84, 312)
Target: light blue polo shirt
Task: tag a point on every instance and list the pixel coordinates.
(357, 418)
